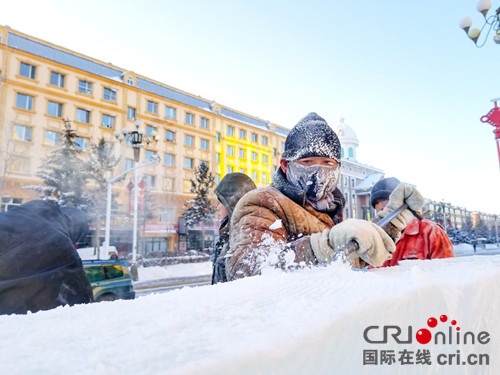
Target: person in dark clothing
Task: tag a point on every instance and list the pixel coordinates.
(39, 266)
(229, 191)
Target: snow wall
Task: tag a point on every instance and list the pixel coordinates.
(312, 321)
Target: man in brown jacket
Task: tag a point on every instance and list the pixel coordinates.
(297, 220)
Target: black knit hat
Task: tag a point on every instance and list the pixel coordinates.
(382, 189)
(312, 136)
(231, 188)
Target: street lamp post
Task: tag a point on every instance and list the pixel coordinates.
(493, 21)
(136, 138)
(108, 197)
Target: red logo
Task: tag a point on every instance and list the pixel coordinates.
(424, 336)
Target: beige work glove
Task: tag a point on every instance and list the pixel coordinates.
(375, 246)
(402, 194)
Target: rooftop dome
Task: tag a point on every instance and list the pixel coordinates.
(346, 135)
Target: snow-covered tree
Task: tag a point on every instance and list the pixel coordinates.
(200, 209)
(98, 168)
(64, 174)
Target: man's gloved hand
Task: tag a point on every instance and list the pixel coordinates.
(375, 246)
(403, 194)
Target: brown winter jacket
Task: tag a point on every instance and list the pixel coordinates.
(267, 220)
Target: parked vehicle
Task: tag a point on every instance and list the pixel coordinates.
(104, 253)
(110, 279)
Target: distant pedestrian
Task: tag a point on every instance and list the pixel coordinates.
(420, 239)
(39, 266)
(474, 245)
(229, 191)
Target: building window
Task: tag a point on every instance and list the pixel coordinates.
(108, 121)
(217, 178)
(150, 131)
(7, 202)
(169, 183)
(230, 150)
(82, 115)
(23, 133)
(24, 101)
(264, 141)
(189, 141)
(169, 136)
(255, 157)
(84, 87)
(243, 134)
(274, 152)
(264, 176)
(204, 145)
(264, 159)
(187, 185)
(345, 181)
(130, 81)
(109, 94)
(150, 180)
(243, 170)
(204, 123)
(81, 144)
(282, 146)
(129, 164)
(152, 107)
(230, 169)
(217, 158)
(170, 160)
(52, 138)
(27, 70)
(189, 119)
(57, 79)
(150, 155)
(243, 153)
(230, 131)
(351, 152)
(217, 137)
(254, 138)
(188, 163)
(352, 182)
(131, 113)
(342, 152)
(19, 164)
(54, 109)
(171, 113)
(255, 175)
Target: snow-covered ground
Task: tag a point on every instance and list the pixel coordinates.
(176, 270)
(310, 321)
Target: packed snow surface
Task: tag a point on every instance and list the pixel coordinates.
(310, 321)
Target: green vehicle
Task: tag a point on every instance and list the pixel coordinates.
(110, 279)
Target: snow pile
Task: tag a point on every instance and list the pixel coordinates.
(177, 270)
(306, 322)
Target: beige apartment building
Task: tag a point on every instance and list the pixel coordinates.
(41, 84)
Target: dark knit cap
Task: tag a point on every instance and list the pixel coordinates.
(312, 136)
(231, 188)
(382, 189)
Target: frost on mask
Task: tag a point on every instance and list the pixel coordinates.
(317, 181)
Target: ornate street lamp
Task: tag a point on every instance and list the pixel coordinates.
(136, 138)
(493, 21)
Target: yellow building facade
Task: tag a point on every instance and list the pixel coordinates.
(41, 84)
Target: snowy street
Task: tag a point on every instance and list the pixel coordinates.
(314, 321)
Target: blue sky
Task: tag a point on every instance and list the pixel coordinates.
(402, 74)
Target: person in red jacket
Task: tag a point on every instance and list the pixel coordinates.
(421, 239)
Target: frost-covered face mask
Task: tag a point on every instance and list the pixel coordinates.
(315, 180)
